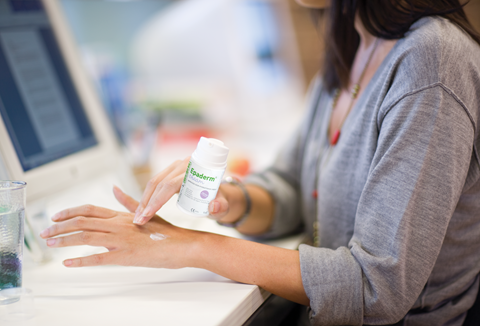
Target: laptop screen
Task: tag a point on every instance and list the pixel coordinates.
(39, 104)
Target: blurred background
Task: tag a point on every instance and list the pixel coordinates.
(170, 71)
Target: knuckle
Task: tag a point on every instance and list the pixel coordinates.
(64, 213)
(161, 185)
(54, 229)
(152, 182)
(60, 242)
(79, 222)
(88, 209)
(170, 184)
(97, 259)
(85, 237)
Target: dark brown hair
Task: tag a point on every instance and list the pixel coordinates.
(387, 19)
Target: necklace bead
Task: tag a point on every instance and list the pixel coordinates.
(335, 137)
(355, 91)
(334, 141)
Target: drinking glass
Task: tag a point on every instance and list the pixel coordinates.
(20, 308)
(12, 214)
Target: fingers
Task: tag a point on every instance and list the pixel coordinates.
(95, 239)
(124, 199)
(107, 258)
(153, 183)
(85, 210)
(161, 195)
(160, 189)
(79, 223)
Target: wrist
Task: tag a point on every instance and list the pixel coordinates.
(194, 250)
(199, 255)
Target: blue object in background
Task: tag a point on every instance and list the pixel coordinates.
(108, 41)
(25, 5)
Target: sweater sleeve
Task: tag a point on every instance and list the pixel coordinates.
(423, 152)
(282, 179)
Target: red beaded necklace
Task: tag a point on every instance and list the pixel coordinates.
(355, 91)
(336, 137)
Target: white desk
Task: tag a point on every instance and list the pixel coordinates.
(115, 295)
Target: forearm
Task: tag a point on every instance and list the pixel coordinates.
(261, 213)
(274, 269)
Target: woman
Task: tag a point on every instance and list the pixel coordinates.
(384, 174)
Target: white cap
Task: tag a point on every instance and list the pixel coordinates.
(211, 153)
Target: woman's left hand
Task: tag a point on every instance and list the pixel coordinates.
(276, 270)
(155, 244)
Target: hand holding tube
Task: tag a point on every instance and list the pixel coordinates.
(162, 187)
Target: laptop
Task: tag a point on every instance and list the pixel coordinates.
(54, 132)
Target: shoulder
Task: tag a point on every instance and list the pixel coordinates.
(435, 50)
(435, 57)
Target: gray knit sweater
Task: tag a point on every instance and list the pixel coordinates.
(398, 201)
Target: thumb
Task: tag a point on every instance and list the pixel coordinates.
(218, 208)
(124, 199)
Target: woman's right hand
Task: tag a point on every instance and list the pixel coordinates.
(163, 186)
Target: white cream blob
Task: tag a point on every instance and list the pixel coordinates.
(158, 236)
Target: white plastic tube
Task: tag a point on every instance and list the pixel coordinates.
(203, 176)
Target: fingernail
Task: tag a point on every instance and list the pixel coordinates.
(137, 219)
(45, 233)
(147, 211)
(137, 213)
(51, 242)
(55, 217)
(68, 262)
(214, 207)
